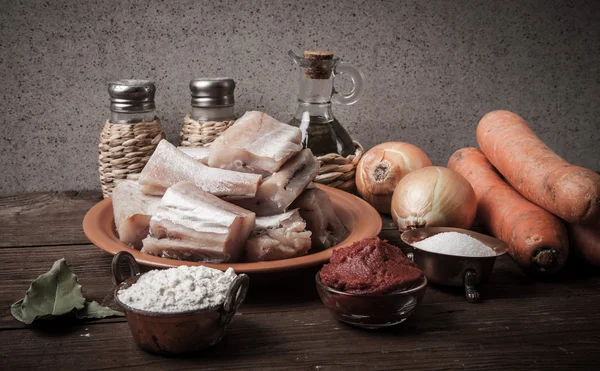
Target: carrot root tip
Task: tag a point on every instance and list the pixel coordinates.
(545, 259)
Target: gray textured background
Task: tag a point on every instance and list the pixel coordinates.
(433, 68)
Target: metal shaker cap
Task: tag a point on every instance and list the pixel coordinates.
(212, 92)
(131, 96)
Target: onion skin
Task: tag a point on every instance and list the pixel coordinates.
(434, 196)
(382, 167)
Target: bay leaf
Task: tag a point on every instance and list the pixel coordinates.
(53, 293)
(94, 310)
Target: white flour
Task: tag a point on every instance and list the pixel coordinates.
(454, 243)
(178, 289)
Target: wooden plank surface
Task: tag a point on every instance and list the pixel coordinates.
(435, 338)
(42, 219)
(283, 325)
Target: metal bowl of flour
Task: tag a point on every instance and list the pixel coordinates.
(451, 270)
(181, 332)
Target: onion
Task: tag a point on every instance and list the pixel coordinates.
(433, 197)
(382, 167)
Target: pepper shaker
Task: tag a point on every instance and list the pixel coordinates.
(130, 136)
(212, 111)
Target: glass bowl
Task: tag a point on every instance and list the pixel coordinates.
(368, 310)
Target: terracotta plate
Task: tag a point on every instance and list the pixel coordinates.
(361, 219)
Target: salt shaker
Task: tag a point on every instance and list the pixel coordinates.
(212, 111)
(130, 136)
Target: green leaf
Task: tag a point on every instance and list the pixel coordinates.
(54, 293)
(94, 310)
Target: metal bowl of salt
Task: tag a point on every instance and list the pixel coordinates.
(465, 266)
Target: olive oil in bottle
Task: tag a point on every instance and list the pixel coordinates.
(321, 131)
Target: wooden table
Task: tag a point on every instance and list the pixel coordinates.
(283, 325)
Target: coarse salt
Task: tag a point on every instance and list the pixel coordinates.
(178, 289)
(454, 243)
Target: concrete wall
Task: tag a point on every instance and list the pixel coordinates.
(433, 69)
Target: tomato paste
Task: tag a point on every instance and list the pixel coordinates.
(370, 266)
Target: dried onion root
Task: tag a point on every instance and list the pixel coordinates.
(433, 196)
(382, 167)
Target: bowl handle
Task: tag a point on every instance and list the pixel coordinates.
(471, 286)
(235, 296)
(116, 266)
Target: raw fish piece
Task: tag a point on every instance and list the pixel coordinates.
(315, 207)
(168, 166)
(199, 154)
(256, 143)
(181, 250)
(194, 225)
(277, 237)
(279, 190)
(132, 210)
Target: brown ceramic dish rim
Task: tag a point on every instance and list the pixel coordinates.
(132, 280)
(361, 219)
(391, 294)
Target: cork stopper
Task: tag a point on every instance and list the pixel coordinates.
(316, 69)
(318, 54)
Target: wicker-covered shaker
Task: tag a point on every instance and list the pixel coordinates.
(212, 111)
(130, 136)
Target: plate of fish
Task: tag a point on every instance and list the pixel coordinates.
(246, 202)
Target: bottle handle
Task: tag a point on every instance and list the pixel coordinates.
(358, 86)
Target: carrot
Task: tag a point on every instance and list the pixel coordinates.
(544, 178)
(585, 239)
(537, 240)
